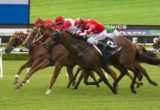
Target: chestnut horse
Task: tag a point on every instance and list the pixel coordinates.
(39, 58)
(91, 59)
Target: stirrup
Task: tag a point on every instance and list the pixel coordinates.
(113, 46)
(116, 50)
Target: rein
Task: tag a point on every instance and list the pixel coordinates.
(38, 38)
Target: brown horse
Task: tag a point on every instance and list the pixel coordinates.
(39, 58)
(121, 60)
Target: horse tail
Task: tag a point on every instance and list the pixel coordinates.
(144, 57)
(150, 53)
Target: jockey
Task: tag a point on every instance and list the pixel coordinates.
(65, 23)
(48, 23)
(111, 31)
(96, 32)
(38, 21)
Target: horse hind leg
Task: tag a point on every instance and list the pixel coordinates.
(144, 72)
(139, 82)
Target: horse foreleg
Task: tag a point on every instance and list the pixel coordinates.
(123, 72)
(33, 69)
(79, 80)
(74, 77)
(104, 79)
(70, 74)
(86, 74)
(110, 72)
(27, 64)
(94, 78)
(57, 70)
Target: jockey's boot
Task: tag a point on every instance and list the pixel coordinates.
(104, 52)
(104, 57)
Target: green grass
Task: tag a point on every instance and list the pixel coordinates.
(31, 96)
(106, 11)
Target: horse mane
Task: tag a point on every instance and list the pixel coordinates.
(76, 36)
(81, 41)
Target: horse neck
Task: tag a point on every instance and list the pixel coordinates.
(37, 50)
(73, 45)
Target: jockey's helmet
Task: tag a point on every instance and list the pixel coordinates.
(48, 23)
(78, 22)
(38, 21)
(59, 20)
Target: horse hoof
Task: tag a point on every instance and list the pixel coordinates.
(140, 84)
(133, 91)
(48, 92)
(155, 84)
(115, 91)
(68, 87)
(28, 81)
(17, 87)
(75, 88)
(97, 85)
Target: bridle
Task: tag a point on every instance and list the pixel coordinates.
(41, 35)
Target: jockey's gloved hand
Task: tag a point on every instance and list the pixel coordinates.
(101, 43)
(83, 34)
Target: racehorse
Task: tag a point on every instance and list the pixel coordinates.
(39, 58)
(121, 60)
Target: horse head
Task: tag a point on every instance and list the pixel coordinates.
(38, 33)
(53, 38)
(15, 40)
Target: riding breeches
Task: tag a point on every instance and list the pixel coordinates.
(93, 39)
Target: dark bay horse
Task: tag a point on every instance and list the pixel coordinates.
(39, 58)
(121, 60)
